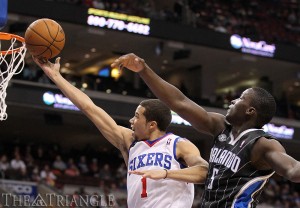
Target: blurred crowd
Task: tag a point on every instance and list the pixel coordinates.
(271, 20)
(55, 167)
(106, 171)
(280, 193)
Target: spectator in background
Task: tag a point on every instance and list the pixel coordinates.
(28, 156)
(98, 4)
(83, 166)
(94, 168)
(70, 162)
(18, 167)
(4, 164)
(59, 164)
(178, 10)
(28, 159)
(295, 199)
(28, 73)
(39, 156)
(48, 176)
(87, 3)
(122, 184)
(75, 199)
(105, 173)
(72, 170)
(35, 174)
(121, 171)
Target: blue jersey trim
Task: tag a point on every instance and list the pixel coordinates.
(174, 153)
(153, 142)
(246, 197)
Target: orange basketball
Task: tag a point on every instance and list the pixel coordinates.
(44, 39)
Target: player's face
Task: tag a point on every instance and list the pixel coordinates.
(139, 125)
(236, 113)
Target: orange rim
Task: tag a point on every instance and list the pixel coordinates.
(8, 36)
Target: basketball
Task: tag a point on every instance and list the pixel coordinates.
(44, 39)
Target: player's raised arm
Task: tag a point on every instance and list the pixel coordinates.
(272, 153)
(211, 123)
(115, 134)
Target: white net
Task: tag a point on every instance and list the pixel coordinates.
(11, 63)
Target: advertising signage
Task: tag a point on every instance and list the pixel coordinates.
(26, 189)
(278, 131)
(58, 101)
(118, 21)
(246, 45)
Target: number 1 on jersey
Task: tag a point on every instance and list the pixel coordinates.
(144, 187)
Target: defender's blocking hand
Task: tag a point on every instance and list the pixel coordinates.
(130, 61)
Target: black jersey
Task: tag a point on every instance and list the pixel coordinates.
(232, 181)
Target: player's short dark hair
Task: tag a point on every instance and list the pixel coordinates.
(157, 111)
(265, 105)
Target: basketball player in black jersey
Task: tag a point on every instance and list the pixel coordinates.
(243, 156)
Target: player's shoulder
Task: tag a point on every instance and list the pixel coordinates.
(184, 143)
(265, 143)
(175, 138)
(262, 147)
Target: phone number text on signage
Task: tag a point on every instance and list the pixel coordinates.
(118, 21)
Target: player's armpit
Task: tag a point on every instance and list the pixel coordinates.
(189, 153)
(197, 166)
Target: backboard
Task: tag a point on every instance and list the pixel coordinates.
(3, 13)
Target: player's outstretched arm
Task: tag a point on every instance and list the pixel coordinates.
(188, 175)
(274, 155)
(116, 135)
(195, 172)
(211, 123)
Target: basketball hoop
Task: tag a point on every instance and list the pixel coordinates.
(12, 62)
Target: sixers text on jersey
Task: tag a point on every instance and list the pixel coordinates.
(151, 159)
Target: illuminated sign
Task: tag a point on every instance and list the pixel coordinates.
(21, 188)
(260, 48)
(176, 119)
(118, 21)
(282, 132)
(58, 101)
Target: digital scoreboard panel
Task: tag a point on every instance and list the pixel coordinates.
(118, 21)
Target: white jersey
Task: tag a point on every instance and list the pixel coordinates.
(164, 193)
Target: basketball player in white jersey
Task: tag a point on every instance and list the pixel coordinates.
(243, 156)
(146, 146)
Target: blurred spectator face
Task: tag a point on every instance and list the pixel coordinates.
(4, 158)
(17, 156)
(82, 159)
